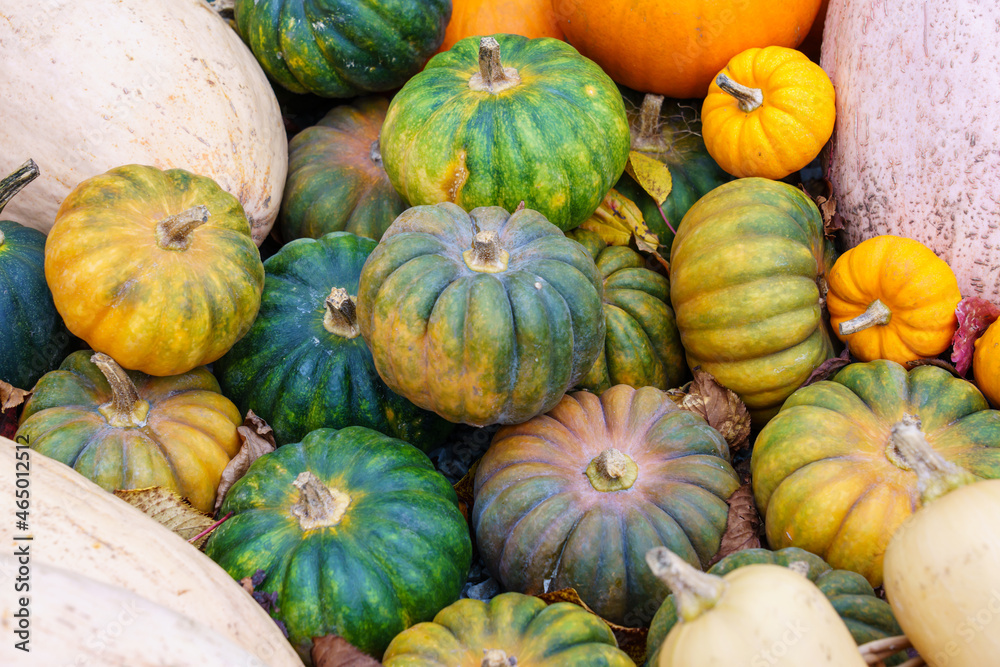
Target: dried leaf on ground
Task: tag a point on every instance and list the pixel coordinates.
(974, 315)
(742, 524)
(652, 175)
(258, 439)
(829, 368)
(169, 509)
(630, 640)
(11, 396)
(720, 406)
(464, 490)
(821, 192)
(335, 651)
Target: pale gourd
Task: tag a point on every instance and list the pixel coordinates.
(756, 615)
(940, 567)
(81, 527)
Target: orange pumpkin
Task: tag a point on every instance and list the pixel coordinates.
(893, 298)
(676, 48)
(986, 363)
(530, 18)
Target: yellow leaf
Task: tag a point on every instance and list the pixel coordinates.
(618, 219)
(169, 509)
(651, 174)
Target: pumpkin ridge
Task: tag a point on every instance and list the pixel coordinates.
(538, 543)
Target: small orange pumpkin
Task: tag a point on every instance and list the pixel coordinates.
(768, 113)
(893, 298)
(530, 18)
(986, 363)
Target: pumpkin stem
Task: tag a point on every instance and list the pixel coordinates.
(341, 317)
(877, 313)
(748, 98)
(13, 184)
(695, 592)
(319, 506)
(125, 409)
(486, 254)
(612, 470)
(648, 136)
(174, 231)
(936, 475)
(494, 657)
(492, 76)
(375, 152)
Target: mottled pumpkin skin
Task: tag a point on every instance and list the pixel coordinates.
(744, 283)
(336, 181)
(33, 338)
(541, 524)
(342, 48)
(522, 626)
(865, 615)
(557, 141)
(185, 442)
(480, 348)
(297, 374)
(157, 310)
(824, 476)
(399, 554)
(642, 347)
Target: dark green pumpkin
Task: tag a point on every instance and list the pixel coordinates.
(642, 347)
(553, 135)
(342, 48)
(356, 532)
(33, 338)
(303, 366)
(669, 131)
(866, 616)
(336, 181)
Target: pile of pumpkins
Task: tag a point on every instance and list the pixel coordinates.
(453, 253)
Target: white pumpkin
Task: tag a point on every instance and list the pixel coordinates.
(89, 85)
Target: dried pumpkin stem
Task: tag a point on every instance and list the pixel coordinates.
(877, 314)
(13, 184)
(125, 409)
(318, 506)
(341, 317)
(648, 136)
(612, 470)
(748, 98)
(375, 152)
(486, 254)
(936, 475)
(494, 657)
(695, 592)
(174, 231)
(492, 76)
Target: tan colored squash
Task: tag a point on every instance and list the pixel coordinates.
(91, 532)
(916, 145)
(74, 620)
(89, 85)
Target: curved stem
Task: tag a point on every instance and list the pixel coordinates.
(13, 184)
(486, 254)
(748, 98)
(877, 314)
(174, 231)
(612, 470)
(318, 506)
(936, 475)
(341, 317)
(648, 136)
(695, 592)
(492, 76)
(125, 408)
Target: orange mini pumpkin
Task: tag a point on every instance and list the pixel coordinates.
(893, 298)
(768, 113)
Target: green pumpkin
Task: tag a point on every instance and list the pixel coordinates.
(642, 347)
(484, 317)
(669, 131)
(510, 629)
(303, 366)
(866, 616)
(356, 533)
(746, 284)
(342, 48)
(550, 131)
(827, 477)
(336, 181)
(33, 338)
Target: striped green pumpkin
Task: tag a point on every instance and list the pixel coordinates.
(552, 134)
(356, 532)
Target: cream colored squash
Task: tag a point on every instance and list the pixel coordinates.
(79, 526)
(74, 620)
(941, 566)
(89, 85)
(758, 615)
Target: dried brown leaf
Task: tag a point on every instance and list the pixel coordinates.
(335, 651)
(940, 363)
(974, 315)
(720, 407)
(742, 524)
(829, 368)
(464, 490)
(630, 640)
(11, 396)
(258, 439)
(169, 509)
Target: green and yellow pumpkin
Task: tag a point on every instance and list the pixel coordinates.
(505, 119)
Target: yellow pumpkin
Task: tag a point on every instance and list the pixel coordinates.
(768, 113)
(893, 298)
